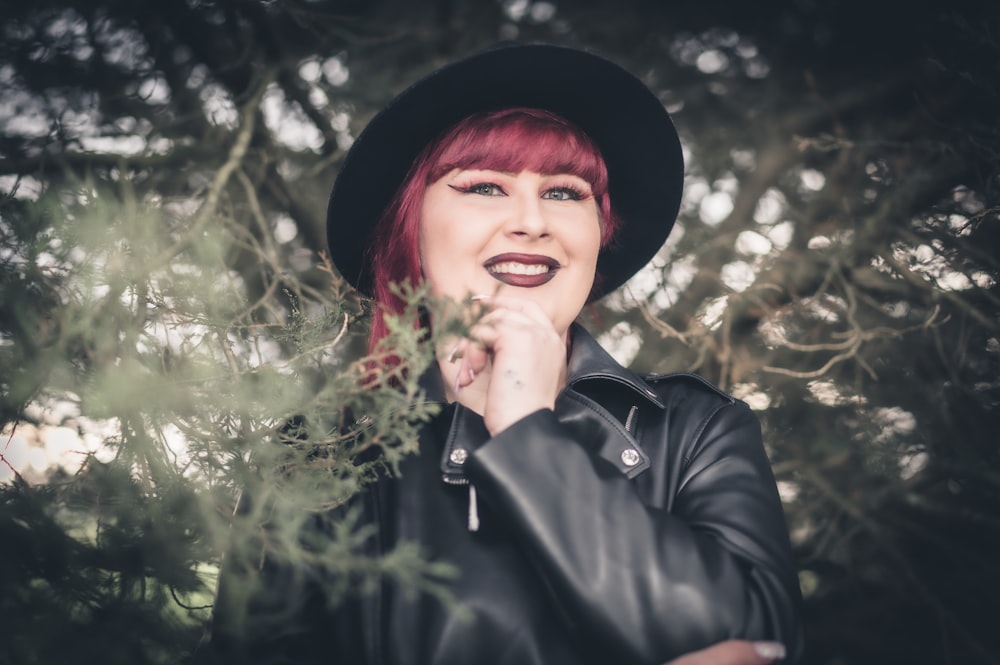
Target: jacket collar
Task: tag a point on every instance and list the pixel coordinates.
(588, 361)
(589, 365)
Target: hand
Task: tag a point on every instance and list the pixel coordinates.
(514, 359)
(734, 652)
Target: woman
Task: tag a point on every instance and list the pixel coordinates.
(596, 516)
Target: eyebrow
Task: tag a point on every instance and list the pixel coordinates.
(512, 174)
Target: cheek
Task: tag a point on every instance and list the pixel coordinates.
(443, 264)
(593, 240)
(430, 255)
(439, 233)
(431, 240)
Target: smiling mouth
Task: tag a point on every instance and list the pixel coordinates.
(524, 270)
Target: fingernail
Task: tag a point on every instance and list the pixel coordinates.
(457, 387)
(452, 355)
(772, 650)
(472, 376)
(480, 296)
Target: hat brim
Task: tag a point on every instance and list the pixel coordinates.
(624, 118)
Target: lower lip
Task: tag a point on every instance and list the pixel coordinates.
(524, 281)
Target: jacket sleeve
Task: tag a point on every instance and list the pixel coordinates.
(705, 560)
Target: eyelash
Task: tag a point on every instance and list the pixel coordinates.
(575, 193)
(471, 189)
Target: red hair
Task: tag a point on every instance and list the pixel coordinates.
(513, 140)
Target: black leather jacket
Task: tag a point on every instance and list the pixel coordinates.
(636, 522)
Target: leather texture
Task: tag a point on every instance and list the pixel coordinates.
(636, 522)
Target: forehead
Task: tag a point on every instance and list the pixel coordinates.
(516, 147)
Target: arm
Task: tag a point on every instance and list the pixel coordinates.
(647, 583)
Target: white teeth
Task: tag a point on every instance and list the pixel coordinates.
(514, 268)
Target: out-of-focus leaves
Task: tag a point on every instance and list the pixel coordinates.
(835, 264)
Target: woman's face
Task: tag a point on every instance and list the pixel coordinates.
(525, 234)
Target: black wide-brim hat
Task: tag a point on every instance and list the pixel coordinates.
(624, 118)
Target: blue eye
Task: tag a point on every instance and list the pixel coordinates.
(481, 188)
(563, 194)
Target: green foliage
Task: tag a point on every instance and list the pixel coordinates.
(200, 398)
(164, 304)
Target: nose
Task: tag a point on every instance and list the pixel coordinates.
(528, 219)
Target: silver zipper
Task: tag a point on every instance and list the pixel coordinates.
(473, 509)
(473, 523)
(630, 419)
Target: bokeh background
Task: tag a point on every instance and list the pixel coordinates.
(165, 305)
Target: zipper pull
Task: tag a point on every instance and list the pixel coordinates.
(630, 419)
(473, 509)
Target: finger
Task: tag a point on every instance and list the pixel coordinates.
(471, 366)
(500, 323)
(529, 308)
(464, 377)
(527, 319)
(500, 330)
(734, 652)
(470, 357)
(451, 349)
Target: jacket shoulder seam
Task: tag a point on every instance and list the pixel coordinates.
(680, 377)
(700, 431)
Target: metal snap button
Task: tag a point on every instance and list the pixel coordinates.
(630, 457)
(458, 456)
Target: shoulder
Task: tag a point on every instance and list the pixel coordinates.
(687, 387)
(695, 407)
